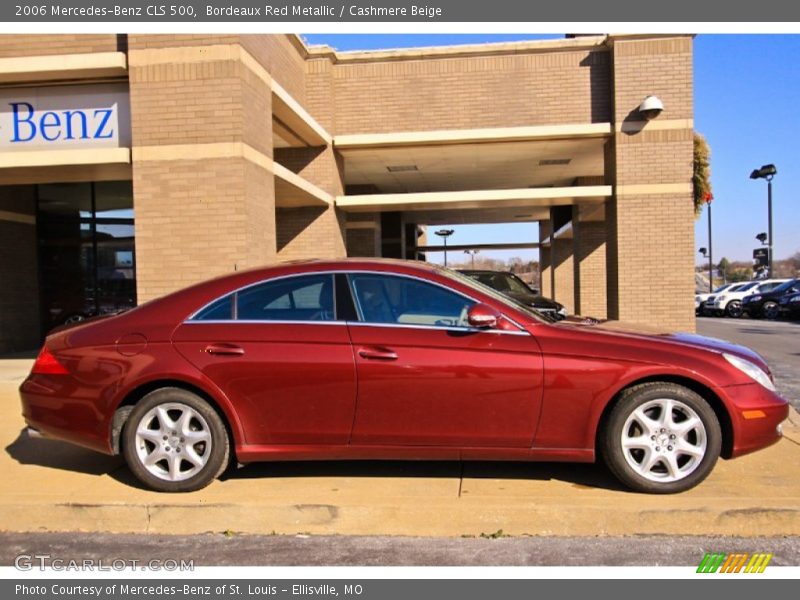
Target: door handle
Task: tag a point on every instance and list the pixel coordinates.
(377, 353)
(224, 349)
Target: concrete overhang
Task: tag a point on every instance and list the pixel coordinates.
(526, 197)
(504, 161)
(292, 191)
(473, 136)
(293, 121)
(93, 65)
(583, 42)
(55, 158)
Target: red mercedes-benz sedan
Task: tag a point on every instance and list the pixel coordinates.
(370, 358)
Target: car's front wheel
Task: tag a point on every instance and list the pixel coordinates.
(770, 310)
(174, 441)
(661, 438)
(734, 309)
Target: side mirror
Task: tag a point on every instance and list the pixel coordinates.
(482, 316)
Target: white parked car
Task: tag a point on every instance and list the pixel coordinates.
(729, 301)
(701, 299)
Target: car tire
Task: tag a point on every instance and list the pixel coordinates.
(174, 441)
(770, 310)
(651, 453)
(734, 309)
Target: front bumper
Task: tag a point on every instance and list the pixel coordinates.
(756, 414)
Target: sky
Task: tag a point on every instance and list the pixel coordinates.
(747, 97)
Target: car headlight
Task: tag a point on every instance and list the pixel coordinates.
(721, 298)
(795, 299)
(754, 298)
(562, 311)
(751, 370)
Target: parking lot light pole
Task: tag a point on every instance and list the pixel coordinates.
(767, 172)
(444, 234)
(472, 254)
(708, 198)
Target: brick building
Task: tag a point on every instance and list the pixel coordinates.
(132, 165)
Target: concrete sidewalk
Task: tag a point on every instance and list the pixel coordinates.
(52, 486)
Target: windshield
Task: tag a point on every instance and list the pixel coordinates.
(489, 291)
(502, 282)
(767, 287)
(722, 288)
(747, 286)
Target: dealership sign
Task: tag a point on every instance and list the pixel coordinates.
(64, 117)
(761, 257)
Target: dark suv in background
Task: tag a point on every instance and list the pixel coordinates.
(790, 306)
(768, 304)
(512, 286)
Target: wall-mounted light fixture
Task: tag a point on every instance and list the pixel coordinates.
(651, 107)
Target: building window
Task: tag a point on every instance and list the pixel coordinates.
(87, 255)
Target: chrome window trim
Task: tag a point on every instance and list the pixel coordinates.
(332, 272)
(262, 322)
(437, 327)
(359, 324)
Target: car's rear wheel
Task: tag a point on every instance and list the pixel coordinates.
(661, 438)
(734, 309)
(174, 441)
(770, 310)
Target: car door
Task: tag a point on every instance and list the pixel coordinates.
(278, 352)
(426, 378)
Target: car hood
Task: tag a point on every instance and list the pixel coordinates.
(534, 300)
(654, 334)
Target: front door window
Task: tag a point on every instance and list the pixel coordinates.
(403, 301)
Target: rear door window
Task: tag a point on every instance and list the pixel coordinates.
(305, 298)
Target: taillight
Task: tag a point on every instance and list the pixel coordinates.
(47, 364)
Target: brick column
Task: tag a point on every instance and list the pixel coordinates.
(203, 191)
(563, 257)
(545, 266)
(650, 219)
(590, 267)
(312, 231)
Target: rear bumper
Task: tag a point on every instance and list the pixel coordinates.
(756, 416)
(52, 408)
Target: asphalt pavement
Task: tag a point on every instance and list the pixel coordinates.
(282, 550)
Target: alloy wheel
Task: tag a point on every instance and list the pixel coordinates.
(734, 309)
(664, 440)
(770, 310)
(173, 441)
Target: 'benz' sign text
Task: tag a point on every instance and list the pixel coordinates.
(64, 117)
